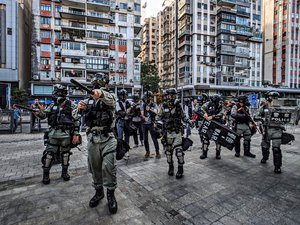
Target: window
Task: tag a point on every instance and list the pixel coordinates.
(73, 46)
(45, 34)
(122, 42)
(123, 5)
(137, 7)
(45, 48)
(123, 17)
(123, 30)
(57, 22)
(45, 7)
(45, 20)
(205, 27)
(57, 8)
(137, 19)
(205, 6)
(73, 73)
(45, 61)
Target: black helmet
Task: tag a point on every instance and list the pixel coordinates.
(205, 96)
(242, 99)
(273, 94)
(59, 90)
(171, 91)
(215, 98)
(100, 80)
(122, 92)
(135, 97)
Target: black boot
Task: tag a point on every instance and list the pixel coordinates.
(277, 170)
(171, 170)
(46, 178)
(265, 153)
(218, 154)
(204, 155)
(65, 175)
(237, 148)
(247, 150)
(277, 157)
(97, 197)
(111, 201)
(179, 173)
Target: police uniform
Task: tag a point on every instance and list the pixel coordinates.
(102, 144)
(135, 114)
(122, 119)
(215, 109)
(272, 132)
(62, 126)
(172, 116)
(241, 115)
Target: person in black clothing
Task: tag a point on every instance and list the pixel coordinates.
(148, 111)
(136, 118)
(123, 105)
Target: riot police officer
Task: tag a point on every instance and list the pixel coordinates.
(272, 132)
(240, 113)
(122, 108)
(172, 116)
(99, 112)
(135, 114)
(212, 110)
(63, 129)
(148, 112)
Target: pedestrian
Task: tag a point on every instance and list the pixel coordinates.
(34, 119)
(63, 129)
(99, 112)
(122, 109)
(173, 117)
(148, 112)
(16, 117)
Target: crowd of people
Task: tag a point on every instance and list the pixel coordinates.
(112, 120)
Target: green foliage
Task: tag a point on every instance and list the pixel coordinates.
(150, 79)
(19, 96)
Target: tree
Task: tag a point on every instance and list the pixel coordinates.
(19, 96)
(150, 79)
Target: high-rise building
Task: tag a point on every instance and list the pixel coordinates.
(15, 27)
(76, 39)
(219, 45)
(281, 53)
(149, 40)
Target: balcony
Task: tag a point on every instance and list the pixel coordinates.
(229, 3)
(98, 17)
(183, 43)
(97, 42)
(73, 25)
(244, 3)
(184, 32)
(99, 5)
(98, 28)
(183, 12)
(74, 3)
(45, 67)
(70, 52)
(242, 13)
(257, 37)
(72, 14)
(226, 10)
(73, 65)
(184, 53)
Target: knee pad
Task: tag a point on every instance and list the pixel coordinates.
(47, 159)
(169, 154)
(180, 155)
(277, 156)
(65, 156)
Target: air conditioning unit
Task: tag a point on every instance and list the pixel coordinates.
(204, 53)
(36, 77)
(206, 43)
(117, 7)
(110, 57)
(129, 8)
(46, 67)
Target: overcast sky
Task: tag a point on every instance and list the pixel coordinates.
(153, 7)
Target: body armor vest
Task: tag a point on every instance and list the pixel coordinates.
(98, 114)
(135, 112)
(123, 110)
(61, 116)
(245, 119)
(172, 117)
(213, 110)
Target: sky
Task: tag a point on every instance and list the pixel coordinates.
(153, 7)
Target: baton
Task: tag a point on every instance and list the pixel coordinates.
(81, 86)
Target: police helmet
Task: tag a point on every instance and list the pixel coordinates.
(242, 99)
(205, 96)
(216, 98)
(135, 97)
(122, 92)
(100, 80)
(171, 91)
(59, 90)
(273, 94)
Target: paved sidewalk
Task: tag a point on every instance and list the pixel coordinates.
(227, 191)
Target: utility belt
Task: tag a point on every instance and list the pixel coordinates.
(62, 127)
(176, 130)
(99, 130)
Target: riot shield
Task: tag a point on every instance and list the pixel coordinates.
(219, 133)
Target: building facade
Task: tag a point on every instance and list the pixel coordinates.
(219, 44)
(281, 54)
(149, 40)
(76, 39)
(15, 27)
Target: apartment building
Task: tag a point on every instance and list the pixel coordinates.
(281, 53)
(15, 27)
(219, 44)
(149, 40)
(76, 39)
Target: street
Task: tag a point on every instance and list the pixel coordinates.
(227, 191)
